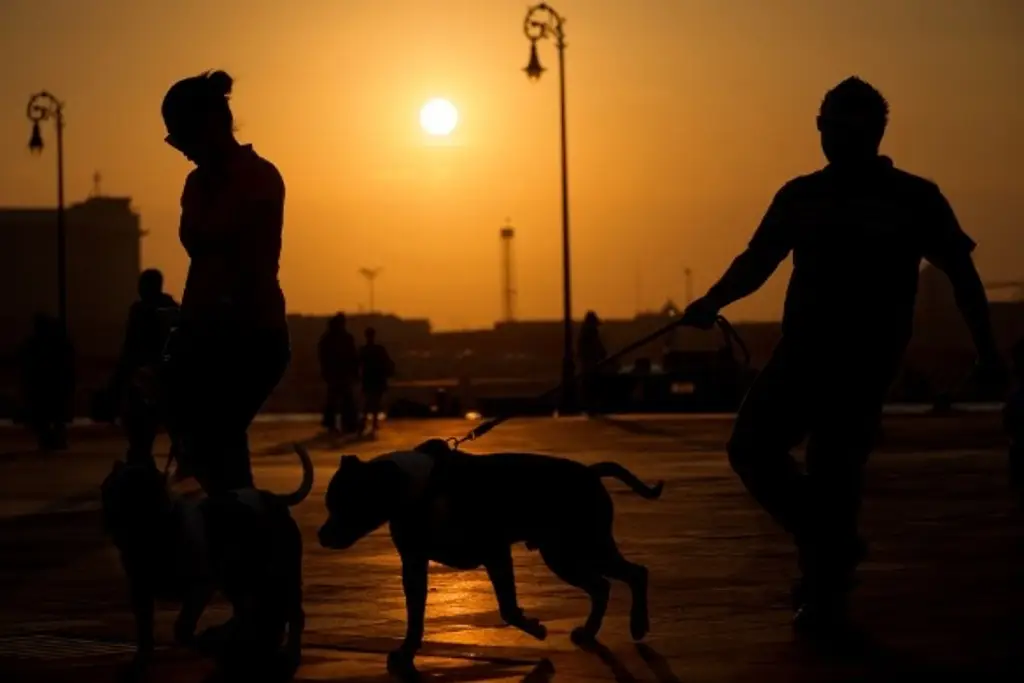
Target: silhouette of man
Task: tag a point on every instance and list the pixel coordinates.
(135, 383)
(591, 351)
(858, 229)
(47, 362)
(339, 368)
(377, 368)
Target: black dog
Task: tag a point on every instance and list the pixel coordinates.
(465, 511)
(244, 543)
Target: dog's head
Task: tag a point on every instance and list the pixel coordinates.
(360, 498)
(135, 502)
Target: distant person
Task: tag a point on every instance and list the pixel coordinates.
(590, 351)
(133, 390)
(1013, 420)
(339, 368)
(377, 368)
(47, 361)
(232, 346)
(857, 229)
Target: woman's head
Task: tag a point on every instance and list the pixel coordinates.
(197, 116)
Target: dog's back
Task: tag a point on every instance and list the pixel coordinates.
(518, 495)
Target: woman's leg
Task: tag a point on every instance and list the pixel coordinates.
(259, 369)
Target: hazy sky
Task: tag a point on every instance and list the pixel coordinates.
(685, 116)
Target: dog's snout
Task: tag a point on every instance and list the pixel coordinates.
(326, 536)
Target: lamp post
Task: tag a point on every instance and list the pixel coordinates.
(371, 277)
(42, 107)
(542, 21)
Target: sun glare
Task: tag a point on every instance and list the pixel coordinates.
(439, 117)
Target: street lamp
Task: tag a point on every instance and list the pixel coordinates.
(544, 22)
(371, 277)
(42, 107)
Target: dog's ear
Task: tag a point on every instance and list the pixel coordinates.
(349, 461)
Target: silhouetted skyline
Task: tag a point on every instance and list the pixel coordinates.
(683, 120)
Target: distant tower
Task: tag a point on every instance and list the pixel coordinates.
(508, 294)
(371, 276)
(96, 189)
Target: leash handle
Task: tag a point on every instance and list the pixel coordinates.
(732, 338)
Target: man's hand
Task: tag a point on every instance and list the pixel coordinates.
(702, 314)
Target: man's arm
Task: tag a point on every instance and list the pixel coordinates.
(746, 274)
(971, 300)
(949, 249)
(771, 243)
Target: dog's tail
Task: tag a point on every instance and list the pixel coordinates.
(300, 494)
(617, 471)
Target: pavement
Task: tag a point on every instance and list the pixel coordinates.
(941, 594)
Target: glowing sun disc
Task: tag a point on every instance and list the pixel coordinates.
(439, 117)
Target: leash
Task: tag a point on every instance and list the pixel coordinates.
(732, 338)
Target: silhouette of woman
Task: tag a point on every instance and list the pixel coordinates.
(232, 346)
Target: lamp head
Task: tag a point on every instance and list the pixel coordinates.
(533, 69)
(35, 144)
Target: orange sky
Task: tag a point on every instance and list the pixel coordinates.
(685, 116)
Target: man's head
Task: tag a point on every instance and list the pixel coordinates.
(151, 284)
(852, 122)
(371, 335)
(337, 322)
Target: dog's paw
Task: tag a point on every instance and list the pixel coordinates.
(639, 623)
(639, 626)
(400, 665)
(583, 638)
(534, 628)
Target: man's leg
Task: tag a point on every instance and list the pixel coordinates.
(349, 410)
(330, 414)
(375, 401)
(842, 437)
(771, 422)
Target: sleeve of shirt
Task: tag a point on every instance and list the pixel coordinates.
(943, 238)
(775, 234)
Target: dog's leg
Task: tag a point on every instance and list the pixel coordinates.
(296, 625)
(615, 566)
(502, 576)
(191, 609)
(571, 564)
(414, 584)
(142, 608)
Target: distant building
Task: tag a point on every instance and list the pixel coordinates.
(103, 261)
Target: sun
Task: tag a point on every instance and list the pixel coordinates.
(439, 117)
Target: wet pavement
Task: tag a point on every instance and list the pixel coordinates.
(941, 595)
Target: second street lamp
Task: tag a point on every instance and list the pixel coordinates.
(42, 107)
(542, 22)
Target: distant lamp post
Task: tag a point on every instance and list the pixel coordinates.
(544, 22)
(370, 274)
(42, 107)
